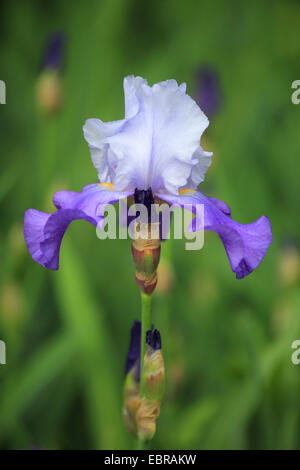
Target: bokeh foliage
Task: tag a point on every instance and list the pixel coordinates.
(227, 343)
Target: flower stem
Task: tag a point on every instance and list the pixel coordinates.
(146, 325)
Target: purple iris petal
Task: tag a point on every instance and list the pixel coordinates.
(245, 245)
(134, 348)
(43, 232)
(220, 205)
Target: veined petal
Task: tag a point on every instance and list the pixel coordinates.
(43, 232)
(157, 145)
(245, 244)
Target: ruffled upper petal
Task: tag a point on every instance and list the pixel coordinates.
(95, 133)
(245, 244)
(178, 124)
(157, 145)
(132, 90)
(43, 232)
(200, 168)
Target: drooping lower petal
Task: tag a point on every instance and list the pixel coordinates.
(245, 244)
(43, 232)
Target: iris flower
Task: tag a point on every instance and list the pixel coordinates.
(154, 150)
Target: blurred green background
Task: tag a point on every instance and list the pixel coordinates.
(227, 343)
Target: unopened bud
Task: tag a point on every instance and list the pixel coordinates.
(48, 91)
(154, 367)
(140, 413)
(146, 254)
(289, 262)
(132, 380)
(131, 402)
(146, 417)
(154, 386)
(146, 245)
(49, 84)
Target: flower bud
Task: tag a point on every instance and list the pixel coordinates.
(132, 380)
(140, 413)
(154, 385)
(146, 417)
(146, 245)
(131, 402)
(146, 254)
(49, 85)
(48, 91)
(289, 262)
(154, 367)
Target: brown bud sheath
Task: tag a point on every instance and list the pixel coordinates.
(154, 371)
(146, 417)
(131, 402)
(154, 377)
(146, 253)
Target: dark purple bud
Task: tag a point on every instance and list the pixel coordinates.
(153, 339)
(53, 57)
(134, 348)
(208, 94)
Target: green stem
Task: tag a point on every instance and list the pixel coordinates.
(141, 445)
(146, 325)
